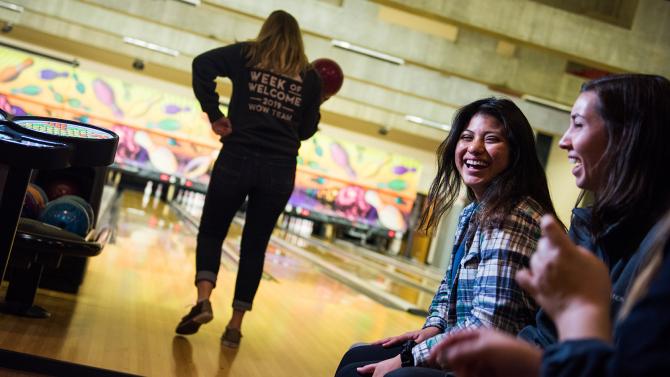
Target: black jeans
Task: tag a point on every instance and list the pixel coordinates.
(267, 181)
(359, 356)
(369, 354)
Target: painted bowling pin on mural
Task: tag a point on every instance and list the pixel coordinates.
(174, 109)
(160, 157)
(12, 72)
(395, 185)
(31, 90)
(391, 218)
(57, 96)
(389, 215)
(341, 158)
(50, 74)
(400, 170)
(105, 94)
(78, 84)
(197, 167)
(373, 199)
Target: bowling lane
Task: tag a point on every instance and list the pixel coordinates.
(381, 281)
(137, 289)
(400, 285)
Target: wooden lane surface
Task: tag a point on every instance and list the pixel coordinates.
(136, 291)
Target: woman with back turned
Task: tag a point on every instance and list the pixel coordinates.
(274, 105)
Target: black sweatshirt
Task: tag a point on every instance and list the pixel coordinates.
(269, 113)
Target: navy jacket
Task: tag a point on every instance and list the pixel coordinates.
(618, 247)
(270, 113)
(641, 341)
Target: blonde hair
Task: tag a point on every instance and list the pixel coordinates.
(647, 273)
(278, 46)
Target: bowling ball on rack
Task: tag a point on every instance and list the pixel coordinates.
(331, 76)
(87, 206)
(67, 215)
(57, 187)
(34, 202)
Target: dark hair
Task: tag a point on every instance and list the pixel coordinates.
(523, 177)
(636, 111)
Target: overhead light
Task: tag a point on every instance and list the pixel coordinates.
(72, 62)
(150, 46)
(427, 122)
(11, 6)
(367, 52)
(195, 3)
(546, 102)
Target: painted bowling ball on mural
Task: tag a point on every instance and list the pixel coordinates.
(34, 202)
(58, 187)
(68, 215)
(331, 76)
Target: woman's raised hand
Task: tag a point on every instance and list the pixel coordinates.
(486, 353)
(570, 283)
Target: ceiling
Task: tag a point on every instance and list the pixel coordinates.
(454, 51)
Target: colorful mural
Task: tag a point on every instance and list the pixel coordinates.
(169, 134)
(342, 179)
(158, 131)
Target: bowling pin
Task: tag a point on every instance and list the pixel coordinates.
(147, 193)
(180, 196)
(394, 248)
(170, 193)
(157, 195)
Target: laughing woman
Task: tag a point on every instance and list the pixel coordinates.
(605, 294)
(491, 150)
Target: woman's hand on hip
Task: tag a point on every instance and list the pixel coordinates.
(222, 126)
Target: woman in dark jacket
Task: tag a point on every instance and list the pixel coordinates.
(274, 105)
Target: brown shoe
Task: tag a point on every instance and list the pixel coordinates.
(200, 313)
(231, 338)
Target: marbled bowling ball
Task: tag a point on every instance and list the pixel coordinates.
(34, 202)
(68, 215)
(87, 206)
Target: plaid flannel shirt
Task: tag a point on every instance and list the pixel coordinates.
(484, 292)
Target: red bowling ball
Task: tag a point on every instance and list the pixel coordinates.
(331, 76)
(62, 186)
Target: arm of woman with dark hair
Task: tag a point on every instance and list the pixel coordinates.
(488, 295)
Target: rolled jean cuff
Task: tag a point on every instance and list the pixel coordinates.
(205, 275)
(241, 305)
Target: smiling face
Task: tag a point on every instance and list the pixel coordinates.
(586, 141)
(482, 153)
